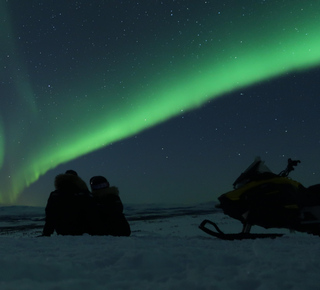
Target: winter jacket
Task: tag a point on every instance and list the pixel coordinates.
(67, 206)
(107, 216)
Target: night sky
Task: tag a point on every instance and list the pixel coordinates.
(170, 100)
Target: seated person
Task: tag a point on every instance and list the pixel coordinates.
(67, 206)
(107, 216)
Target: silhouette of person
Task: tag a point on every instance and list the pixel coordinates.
(107, 216)
(67, 206)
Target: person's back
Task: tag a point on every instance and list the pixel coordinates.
(67, 206)
(107, 216)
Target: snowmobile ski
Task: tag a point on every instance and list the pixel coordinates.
(239, 236)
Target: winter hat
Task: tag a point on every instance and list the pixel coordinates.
(98, 182)
(72, 172)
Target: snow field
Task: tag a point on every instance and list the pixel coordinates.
(170, 253)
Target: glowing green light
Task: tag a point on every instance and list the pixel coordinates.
(287, 40)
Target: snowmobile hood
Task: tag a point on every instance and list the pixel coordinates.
(236, 194)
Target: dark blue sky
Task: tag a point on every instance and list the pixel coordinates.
(197, 156)
(74, 70)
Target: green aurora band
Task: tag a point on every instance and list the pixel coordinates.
(244, 54)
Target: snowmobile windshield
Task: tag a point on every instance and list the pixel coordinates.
(254, 170)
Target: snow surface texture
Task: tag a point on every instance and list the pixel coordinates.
(165, 251)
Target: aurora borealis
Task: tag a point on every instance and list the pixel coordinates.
(79, 76)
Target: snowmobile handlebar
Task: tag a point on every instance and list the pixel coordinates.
(290, 167)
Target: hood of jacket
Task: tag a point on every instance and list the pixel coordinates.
(109, 197)
(70, 184)
(103, 192)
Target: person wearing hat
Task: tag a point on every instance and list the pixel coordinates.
(107, 216)
(67, 206)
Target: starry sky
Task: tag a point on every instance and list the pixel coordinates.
(170, 100)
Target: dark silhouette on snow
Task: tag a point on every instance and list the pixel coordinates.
(261, 197)
(107, 217)
(67, 206)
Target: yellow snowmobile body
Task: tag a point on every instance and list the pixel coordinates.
(269, 200)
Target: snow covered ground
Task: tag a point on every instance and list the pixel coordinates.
(165, 251)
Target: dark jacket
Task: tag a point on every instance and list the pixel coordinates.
(107, 216)
(67, 206)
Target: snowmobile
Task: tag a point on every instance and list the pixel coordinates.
(263, 198)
